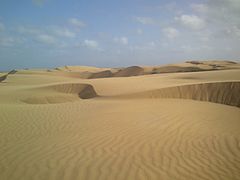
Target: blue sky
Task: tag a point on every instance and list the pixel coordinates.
(107, 33)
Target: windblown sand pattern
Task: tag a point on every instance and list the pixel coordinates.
(120, 140)
(165, 128)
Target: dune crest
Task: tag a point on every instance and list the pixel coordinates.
(130, 71)
(101, 74)
(218, 92)
(175, 69)
(84, 91)
(3, 78)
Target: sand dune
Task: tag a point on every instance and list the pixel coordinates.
(49, 99)
(13, 71)
(173, 69)
(3, 78)
(196, 66)
(217, 92)
(101, 74)
(86, 72)
(124, 72)
(155, 126)
(108, 140)
(130, 71)
(81, 69)
(83, 91)
(188, 66)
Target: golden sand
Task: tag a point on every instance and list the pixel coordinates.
(55, 125)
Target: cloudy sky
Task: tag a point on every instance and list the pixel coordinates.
(50, 33)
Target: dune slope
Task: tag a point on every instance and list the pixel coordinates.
(84, 91)
(217, 92)
(48, 95)
(135, 140)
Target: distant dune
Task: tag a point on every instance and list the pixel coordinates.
(2, 78)
(130, 71)
(169, 122)
(174, 69)
(86, 72)
(13, 71)
(101, 74)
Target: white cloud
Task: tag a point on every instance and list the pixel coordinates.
(170, 32)
(2, 27)
(145, 47)
(139, 31)
(8, 41)
(223, 17)
(40, 35)
(64, 32)
(77, 23)
(191, 21)
(28, 30)
(145, 20)
(46, 39)
(233, 31)
(121, 40)
(91, 44)
(52, 30)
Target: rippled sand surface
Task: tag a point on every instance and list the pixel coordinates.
(174, 126)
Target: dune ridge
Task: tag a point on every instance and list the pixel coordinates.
(75, 88)
(174, 69)
(86, 72)
(188, 66)
(101, 74)
(83, 91)
(130, 71)
(3, 78)
(217, 92)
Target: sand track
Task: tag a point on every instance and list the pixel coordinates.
(216, 92)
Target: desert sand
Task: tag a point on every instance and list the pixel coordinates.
(173, 122)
